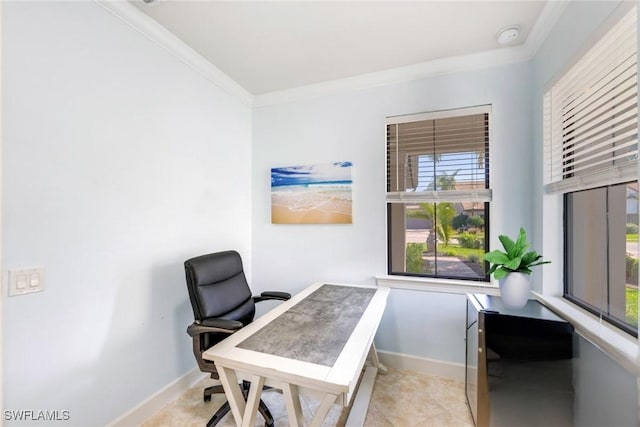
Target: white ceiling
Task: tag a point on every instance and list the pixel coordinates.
(268, 46)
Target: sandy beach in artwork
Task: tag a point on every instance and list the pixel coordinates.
(330, 206)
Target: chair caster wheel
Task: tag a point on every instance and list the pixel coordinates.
(207, 398)
(268, 424)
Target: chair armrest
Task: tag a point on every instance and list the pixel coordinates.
(267, 295)
(214, 325)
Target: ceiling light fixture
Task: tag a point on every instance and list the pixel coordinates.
(508, 35)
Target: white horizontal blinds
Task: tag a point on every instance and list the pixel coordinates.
(439, 157)
(591, 115)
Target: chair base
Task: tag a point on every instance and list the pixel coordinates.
(221, 412)
(225, 408)
(214, 389)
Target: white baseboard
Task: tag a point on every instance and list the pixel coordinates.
(454, 371)
(157, 401)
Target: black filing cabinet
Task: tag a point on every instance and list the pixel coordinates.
(518, 364)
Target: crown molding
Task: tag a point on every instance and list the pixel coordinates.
(545, 23)
(423, 70)
(155, 32)
(144, 24)
(487, 59)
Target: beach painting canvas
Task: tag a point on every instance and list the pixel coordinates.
(314, 194)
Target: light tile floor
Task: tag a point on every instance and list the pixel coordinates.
(401, 398)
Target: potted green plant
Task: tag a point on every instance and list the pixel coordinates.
(512, 268)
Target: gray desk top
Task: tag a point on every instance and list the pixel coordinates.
(316, 329)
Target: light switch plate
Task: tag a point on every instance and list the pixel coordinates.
(24, 281)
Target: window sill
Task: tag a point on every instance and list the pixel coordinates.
(620, 346)
(448, 286)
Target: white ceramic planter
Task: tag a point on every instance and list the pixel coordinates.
(514, 289)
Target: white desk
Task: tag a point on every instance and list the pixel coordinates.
(328, 361)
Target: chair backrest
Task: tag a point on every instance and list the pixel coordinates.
(218, 287)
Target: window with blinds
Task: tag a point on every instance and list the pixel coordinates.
(591, 115)
(591, 158)
(437, 193)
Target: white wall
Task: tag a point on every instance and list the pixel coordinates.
(119, 162)
(350, 126)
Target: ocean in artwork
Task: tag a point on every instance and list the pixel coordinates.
(313, 194)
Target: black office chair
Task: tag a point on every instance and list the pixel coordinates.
(222, 304)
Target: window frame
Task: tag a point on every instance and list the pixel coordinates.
(600, 313)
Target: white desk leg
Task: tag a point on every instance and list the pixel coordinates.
(373, 354)
(232, 390)
(253, 400)
(360, 405)
(292, 402)
(323, 410)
